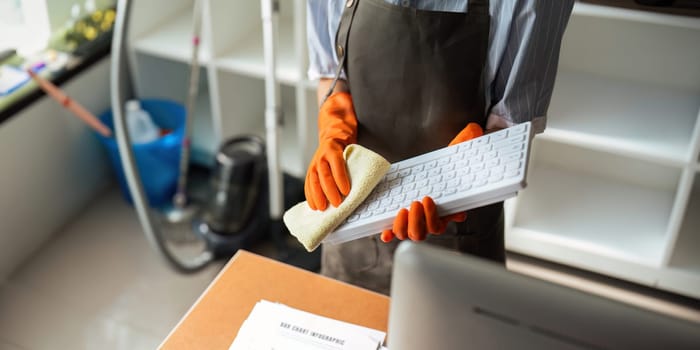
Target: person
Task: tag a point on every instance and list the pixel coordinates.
(405, 77)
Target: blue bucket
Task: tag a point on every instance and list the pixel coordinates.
(158, 161)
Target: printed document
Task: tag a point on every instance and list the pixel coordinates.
(274, 326)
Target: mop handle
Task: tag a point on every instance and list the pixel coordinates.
(180, 198)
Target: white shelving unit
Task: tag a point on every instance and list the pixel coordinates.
(614, 181)
(231, 101)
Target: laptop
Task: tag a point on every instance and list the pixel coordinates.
(445, 300)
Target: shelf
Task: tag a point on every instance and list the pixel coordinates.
(290, 153)
(685, 255)
(622, 117)
(246, 57)
(172, 40)
(603, 205)
(243, 112)
(682, 275)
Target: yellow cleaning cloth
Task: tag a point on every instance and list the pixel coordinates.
(309, 226)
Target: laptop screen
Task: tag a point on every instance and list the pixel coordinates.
(446, 300)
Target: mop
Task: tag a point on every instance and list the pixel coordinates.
(178, 218)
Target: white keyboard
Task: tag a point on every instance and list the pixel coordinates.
(468, 175)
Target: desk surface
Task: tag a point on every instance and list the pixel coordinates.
(213, 322)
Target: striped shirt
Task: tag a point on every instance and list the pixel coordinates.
(524, 41)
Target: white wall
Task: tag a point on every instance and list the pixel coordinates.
(52, 166)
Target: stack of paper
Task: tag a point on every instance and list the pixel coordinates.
(273, 326)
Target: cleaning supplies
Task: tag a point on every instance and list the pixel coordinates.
(140, 125)
(365, 168)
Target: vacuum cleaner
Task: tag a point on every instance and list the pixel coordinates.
(240, 208)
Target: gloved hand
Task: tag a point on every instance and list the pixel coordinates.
(327, 177)
(422, 217)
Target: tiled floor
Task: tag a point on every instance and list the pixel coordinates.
(96, 285)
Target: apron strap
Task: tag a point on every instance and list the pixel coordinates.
(342, 42)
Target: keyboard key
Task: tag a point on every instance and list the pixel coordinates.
(404, 172)
(497, 136)
(449, 176)
(479, 141)
(434, 172)
(496, 178)
(394, 183)
(462, 172)
(412, 195)
(398, 198)
(385, 202)
(424, 191)
(478, 167)
(492, 163)
(431, 165)
(439, 187)
(434, 180)
(436, 195)
(373, 205)
(422, 183)
(464, 146)
(484, 174)
(511, 148)
(417, 169)
(409, 186)
(392, 175)
(511, 173)
(498, 170)
(365, 215)
(465, 187)
(513, 165)
(448, 191)
(485, 148)
(475, 161)
(512, 156)
(479, 182)
(408, 179)
(379, 210)
(396, 190)
(448, 167)
(453, 183)
(517, 129)
(490, 155)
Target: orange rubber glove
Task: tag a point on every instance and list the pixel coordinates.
(327, 177)
(422, 218)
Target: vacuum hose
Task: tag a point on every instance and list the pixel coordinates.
(117, 79)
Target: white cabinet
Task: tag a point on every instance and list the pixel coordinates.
(231, 100)
(614, 181)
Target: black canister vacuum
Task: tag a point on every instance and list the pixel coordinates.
(247, 191)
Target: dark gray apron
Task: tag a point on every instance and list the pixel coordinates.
(416, 79)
